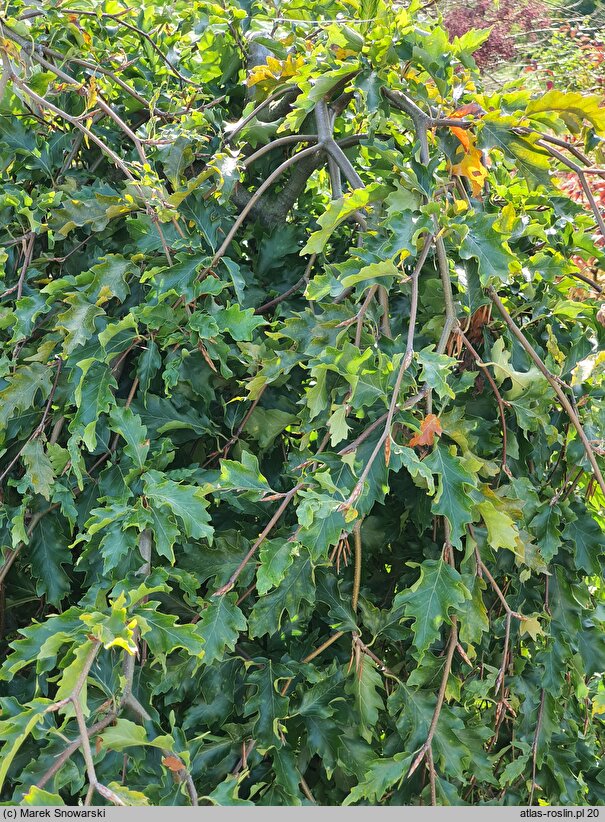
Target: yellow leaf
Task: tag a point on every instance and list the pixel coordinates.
(260, 74)
(91, 97)
(350, 514)
(274, 70)
(105, 293)
(501, 530)
(275, 65)
(598, 704)
(342, 53)
(293, 65)
(471, 166)
(120, 642)
(531, 626)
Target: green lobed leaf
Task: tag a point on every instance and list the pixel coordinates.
(220, 626)
(432, 599)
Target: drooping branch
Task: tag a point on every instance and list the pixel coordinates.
(405, 363)
(127, 700)
(289, 139)
(409, 348)
(77, 85)
(118, 18)
(422, 122)
(357, 575)
(74, 121)
(263, 309)
(567, 406)
(534, 747)
(447, 667)
(426, 749)
(74, 699)
(583, 182)
(497, 394)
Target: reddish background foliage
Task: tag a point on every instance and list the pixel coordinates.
(510, 17)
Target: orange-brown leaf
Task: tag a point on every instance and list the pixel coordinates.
(469, 108)
(430, 427)
(463, 136)
(173, 763)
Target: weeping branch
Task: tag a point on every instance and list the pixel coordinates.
(567, 406)
(497, 394)
(127, 700)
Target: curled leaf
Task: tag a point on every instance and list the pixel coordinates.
(429, 428)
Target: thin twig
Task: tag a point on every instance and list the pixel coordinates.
(485, 571)
(81, 680)
(306, 790)
(451, 647)
(74, 121)
(29, 252)
(409, 348)
(74, 700)
(386, 433)
(534, 747)
(357, 576)
(39, 428)
(118, 19)
(432, 780)
(267, 101)
(103, 105)
(266, 530)
(303, 281)
(409, 403)
(369, 652)
(289, 139)
(505, 654)
(362, 312)
(583, 182)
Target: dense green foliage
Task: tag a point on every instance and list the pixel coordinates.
(305, 504)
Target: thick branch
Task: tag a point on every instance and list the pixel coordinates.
(274, 214)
